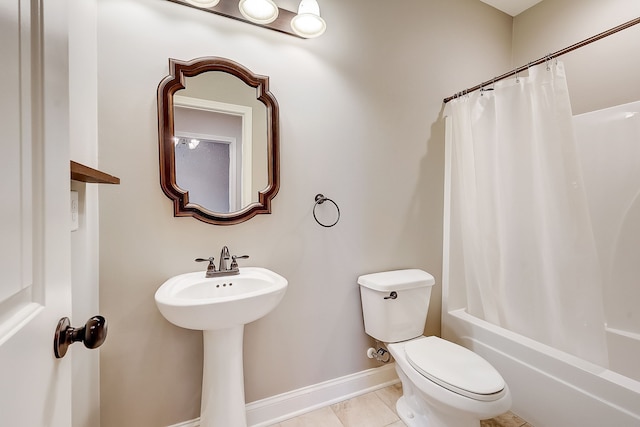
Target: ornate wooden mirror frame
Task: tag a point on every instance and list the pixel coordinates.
(179, 70)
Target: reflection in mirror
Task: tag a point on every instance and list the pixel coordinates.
(224, 162)
(203, 166)
(218, 127)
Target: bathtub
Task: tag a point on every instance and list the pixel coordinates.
(550, 388)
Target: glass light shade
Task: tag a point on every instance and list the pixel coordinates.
(203, 3)
(259, 11)
(308, 23)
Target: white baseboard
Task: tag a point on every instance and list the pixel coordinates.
(291, 404)
(192, 423)
(281, 407)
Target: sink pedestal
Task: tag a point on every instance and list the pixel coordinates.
(223, 379)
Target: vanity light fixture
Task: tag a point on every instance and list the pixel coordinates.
(203, 3)
(308, 23)
(305, 24)
(259, 11)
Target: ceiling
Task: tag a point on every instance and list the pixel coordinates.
(512, 7)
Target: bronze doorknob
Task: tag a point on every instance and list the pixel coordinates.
(92, 334)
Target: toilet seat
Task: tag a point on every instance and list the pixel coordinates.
(455, 368)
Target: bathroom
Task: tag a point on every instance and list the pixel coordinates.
(360, 121)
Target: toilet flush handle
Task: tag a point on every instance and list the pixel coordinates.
(392, 295)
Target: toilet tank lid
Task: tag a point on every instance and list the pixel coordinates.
(397, 280)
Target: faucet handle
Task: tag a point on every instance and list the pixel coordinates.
(234, 263)
(211, 268)
(209, 260)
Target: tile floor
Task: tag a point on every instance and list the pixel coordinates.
(375, 409)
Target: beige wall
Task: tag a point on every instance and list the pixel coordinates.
(600, 75)
(360, 123)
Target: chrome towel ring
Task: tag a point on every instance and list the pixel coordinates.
(320, 199)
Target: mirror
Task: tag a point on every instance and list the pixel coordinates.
(219, 139)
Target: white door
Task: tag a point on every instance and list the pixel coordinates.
(35, 278)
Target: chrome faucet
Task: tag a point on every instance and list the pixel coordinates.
(224, 269)
(224, 257)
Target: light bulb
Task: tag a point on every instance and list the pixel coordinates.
(203, 3)
(308, 23)
(259, 11)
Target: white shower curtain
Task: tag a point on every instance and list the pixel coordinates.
(530, 260)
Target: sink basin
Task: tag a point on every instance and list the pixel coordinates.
(193, 301)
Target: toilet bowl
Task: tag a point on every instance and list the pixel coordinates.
(444, 384)
(458, 393)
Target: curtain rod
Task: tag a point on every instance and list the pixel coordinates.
(550, 56)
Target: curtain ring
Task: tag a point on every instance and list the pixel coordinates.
(320, 199)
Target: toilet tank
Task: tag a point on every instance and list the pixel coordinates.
(395, 303)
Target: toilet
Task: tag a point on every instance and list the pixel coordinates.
(443, 384)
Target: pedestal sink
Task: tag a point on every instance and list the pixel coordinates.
(220, 307)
